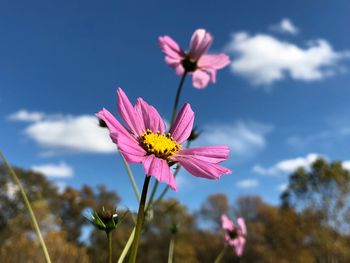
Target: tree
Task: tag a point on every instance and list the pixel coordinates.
(62, 219)
(321, 197)
(214, 206)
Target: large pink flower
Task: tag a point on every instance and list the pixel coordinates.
(234, 235)
(202, 66)
(143, 140)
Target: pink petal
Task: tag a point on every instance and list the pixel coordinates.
(183, 124)
(200, 43)
(212, 74)
(180, 70)
(127, 144)
(112, 123)
(175, 64)
(129, 115)
(170, 47)
(226, 223)
(172, 62)
(160, 169)
(238, 244)
(241, 224)
(129, 147)
(211, 154)
(210, 63)
(202, 169)
(227, 239)
(214, 61)
(150, 116)
(200, 79)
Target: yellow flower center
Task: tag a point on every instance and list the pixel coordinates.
(159, 144)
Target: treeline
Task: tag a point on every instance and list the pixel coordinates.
(312, 224)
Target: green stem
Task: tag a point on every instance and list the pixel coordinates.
(109, 237)
(27, 204)
(131, 177)
(173, 115)
(177, 98)
(150, 200)
(127, 247)
(140, 219)
(221, 255)
(171, 250)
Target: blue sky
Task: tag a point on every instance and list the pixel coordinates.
(282, 102)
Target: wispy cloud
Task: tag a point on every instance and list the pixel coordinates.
(346, 165)
(61, 170)
(287, 166)
(264, 59)
(247, 183)
(245, 138)
(282, 187)
(65, 133)
(285, 26)
(26, 116)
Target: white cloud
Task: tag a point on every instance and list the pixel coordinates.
(285, 26)
(346, 165)
(264, 59)
(26, 116)
(61, 186)
(282, 187)
(70, 133)
(287, 166)
(248, 183)
(244, 137)
(61, 170)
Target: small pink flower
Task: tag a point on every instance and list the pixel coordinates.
(202, 66)
(143, 140)
(234, 235)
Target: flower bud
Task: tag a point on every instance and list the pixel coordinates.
(106, 220)
(194, 134)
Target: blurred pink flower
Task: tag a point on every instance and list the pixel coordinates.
(235, 236)
(143, 140)
(202, 66)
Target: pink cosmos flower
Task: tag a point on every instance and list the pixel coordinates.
(202, 66)
(143, 140)
(234, 235)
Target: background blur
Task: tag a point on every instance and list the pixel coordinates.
(280, 105)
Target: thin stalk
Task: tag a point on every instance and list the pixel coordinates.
(150, 200)
(27, 204)
(171, 250)
(127, 247)
(140, 219)
(177, 98)
(221, 255)
(131, 177)
(173, 115)
(109, 237)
